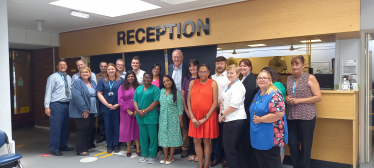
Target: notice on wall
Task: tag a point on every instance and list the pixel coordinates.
(349, 67)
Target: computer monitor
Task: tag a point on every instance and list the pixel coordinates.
(326, 81)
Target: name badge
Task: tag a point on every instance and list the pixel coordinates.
(110, 94)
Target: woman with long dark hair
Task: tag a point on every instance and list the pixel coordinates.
(156, 70)
(170, 121)
(192, 75)
(129, 129)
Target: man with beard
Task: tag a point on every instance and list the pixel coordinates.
(222, 81)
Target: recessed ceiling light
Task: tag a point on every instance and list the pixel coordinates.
(313, 41)
(257, 45)
(111, 8)
(80, 14)
(219, 48)
(176, 2)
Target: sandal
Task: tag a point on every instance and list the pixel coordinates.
(196, 159)
(191, 158)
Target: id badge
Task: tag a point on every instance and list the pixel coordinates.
(110, 94)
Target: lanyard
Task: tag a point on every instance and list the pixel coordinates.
(110, 85)
(246, 76)
(64, 80)
(294, 84)
(258, 101)
(228, 87)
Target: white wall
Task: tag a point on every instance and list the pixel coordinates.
(24, 36)
(346, 50)
(5, 113)
(367, 13)
(321, 52)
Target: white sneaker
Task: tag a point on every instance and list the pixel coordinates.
(143, 159)
(152, 160)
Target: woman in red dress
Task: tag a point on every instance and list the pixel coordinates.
(202, 103)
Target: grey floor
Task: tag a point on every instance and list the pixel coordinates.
(32, 143)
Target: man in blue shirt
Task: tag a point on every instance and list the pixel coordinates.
(81, 64)
(56, 103)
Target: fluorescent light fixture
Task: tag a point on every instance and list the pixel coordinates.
(79, 14)
(219, 48)
(257, 45)
(110, 8)
(313, 41)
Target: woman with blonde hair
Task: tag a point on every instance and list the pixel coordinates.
(267, 123)
(83, 108)
(107, 91)
(233, 115)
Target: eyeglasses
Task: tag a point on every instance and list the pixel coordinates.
(147, 78)
(259, 78)
(157, 69)
(203, 72)
(120, 65)
(177, 57)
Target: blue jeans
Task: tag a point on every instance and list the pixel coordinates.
(59, 124)
(111, 123)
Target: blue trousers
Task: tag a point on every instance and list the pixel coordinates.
(111, 123)
(59, 124)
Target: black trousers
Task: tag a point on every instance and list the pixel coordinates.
(100, 126)
(269, 158)
(232, 132)
(84, 133)
(247, 156)
(300, 134)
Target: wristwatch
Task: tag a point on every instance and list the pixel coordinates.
(143, 112)
(206, 117)
(221, 114)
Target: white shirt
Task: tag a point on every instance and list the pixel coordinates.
(123, 75)
(222, 82)
(139, 76)
(177, 77)
(234, 97)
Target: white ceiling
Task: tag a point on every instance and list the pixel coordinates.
(25, 13)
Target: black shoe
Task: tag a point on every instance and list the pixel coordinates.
(83, 154)
(67, 149)
(102, 139)
(57, 153)
(93, 146)
(116, 149)
(109, 150)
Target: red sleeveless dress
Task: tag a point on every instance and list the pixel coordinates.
(201, 102)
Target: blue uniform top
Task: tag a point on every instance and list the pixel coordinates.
(113, 99)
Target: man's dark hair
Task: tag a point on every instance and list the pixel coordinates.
(136, 58)
(220, 59)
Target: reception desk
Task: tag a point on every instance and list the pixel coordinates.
(336, 132)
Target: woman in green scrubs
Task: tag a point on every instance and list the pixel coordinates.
(145, 103)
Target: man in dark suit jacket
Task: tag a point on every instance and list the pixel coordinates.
(251, 89)
(178, 71)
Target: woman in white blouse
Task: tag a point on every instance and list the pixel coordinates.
(233, 115)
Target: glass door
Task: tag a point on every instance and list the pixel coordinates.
(368, 97)
(20, 77)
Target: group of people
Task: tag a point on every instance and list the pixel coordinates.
(243, 115)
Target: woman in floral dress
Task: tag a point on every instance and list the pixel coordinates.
(171, 113)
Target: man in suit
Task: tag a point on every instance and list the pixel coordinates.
(178, 71)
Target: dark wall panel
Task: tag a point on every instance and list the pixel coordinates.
(204, 54)
(147, 59)
(109, 58)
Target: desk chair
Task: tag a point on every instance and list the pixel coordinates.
(11, 159)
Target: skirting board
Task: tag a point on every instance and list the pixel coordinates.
(42, 127)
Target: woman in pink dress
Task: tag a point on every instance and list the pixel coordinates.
(156, 69)
(129, 128)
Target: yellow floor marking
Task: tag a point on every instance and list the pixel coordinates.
(100, 153)
(19, 146)
(106, 155)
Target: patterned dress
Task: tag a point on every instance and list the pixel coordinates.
(169, 126)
